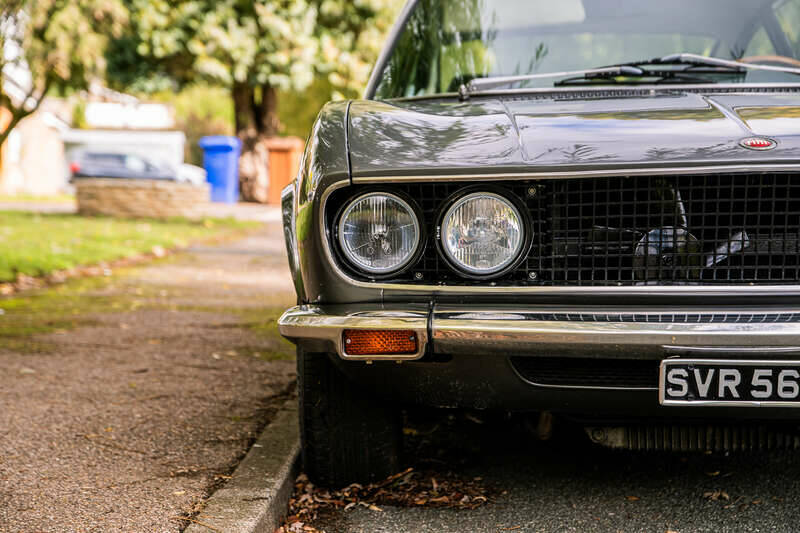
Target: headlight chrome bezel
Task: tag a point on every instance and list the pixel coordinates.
(356, 266)
(520, 211)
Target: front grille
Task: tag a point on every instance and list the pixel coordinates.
(697, 438)
(670, 230)
(587, 372)
(668, 318)
(639, 231)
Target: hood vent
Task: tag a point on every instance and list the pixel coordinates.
(633, 92)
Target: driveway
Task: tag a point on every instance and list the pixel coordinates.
(126, 418)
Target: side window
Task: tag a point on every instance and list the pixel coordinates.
(788, 15)
(135, 163)
(760, 45)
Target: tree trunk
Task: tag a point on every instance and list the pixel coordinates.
(256, 111)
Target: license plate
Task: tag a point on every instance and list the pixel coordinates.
(708, 383)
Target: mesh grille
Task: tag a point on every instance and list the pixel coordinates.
(585, 372)
(668, 318)
(645, 230)
(686, 438)
(668, 230)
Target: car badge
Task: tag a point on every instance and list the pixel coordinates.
(758, 143)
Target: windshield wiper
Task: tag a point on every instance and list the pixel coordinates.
(484, 84)
(694, 59)
(626, 69)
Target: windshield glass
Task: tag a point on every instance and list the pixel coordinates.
(446, 43)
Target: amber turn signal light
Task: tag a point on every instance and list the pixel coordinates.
(379, 342)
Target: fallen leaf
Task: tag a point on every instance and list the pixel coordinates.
(632, 498)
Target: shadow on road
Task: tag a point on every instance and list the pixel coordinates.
(570, 484)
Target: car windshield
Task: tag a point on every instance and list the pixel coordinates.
(447, 43)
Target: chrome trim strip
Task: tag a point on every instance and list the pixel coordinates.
(771, 350)
(715, 403)
(602, 173)
(487, 331)
(388, 49)
(328, 324)
(286, 191)
(505, 331)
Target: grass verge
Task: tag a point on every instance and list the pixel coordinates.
(36, 245)
(59, 309)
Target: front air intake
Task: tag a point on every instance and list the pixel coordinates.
(696, 438)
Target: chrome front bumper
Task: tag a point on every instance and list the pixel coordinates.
(564, 331)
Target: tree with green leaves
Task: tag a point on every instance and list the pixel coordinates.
(51, 45)
(255, 49)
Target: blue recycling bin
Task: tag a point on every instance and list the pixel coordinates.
(221, 161)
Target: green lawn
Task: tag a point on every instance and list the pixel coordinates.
(38, 244)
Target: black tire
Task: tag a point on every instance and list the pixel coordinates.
(347, 434)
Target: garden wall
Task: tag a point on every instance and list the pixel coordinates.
(139, 198)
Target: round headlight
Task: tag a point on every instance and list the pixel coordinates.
(482, 233)
(379, 233)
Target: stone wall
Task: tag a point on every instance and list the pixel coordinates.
(139, 198)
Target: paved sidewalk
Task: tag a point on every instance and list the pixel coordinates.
(128, 421)
(39, 207)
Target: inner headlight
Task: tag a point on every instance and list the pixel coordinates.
(482, 233)
(379, 232)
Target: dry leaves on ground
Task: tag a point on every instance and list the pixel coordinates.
(405, 489)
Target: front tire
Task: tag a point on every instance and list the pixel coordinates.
(347, 434)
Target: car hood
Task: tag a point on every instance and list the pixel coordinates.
(534, 133)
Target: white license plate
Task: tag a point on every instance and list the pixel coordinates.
(708, 382)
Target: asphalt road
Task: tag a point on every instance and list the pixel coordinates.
(569, 484)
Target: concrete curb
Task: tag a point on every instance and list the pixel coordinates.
(255, 498)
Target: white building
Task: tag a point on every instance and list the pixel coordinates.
(35, 158)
